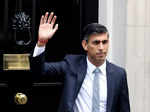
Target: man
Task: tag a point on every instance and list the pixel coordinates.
(91, 83)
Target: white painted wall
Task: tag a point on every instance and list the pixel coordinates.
(128, 22)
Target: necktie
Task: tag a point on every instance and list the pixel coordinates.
(96, 97)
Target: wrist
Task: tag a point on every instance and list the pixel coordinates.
(42, 42)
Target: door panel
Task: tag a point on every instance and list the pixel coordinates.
(21, 91)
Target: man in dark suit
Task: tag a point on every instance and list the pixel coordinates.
(80, 92)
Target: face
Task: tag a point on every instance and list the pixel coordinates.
(96, 48)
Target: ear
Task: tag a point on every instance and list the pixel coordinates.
(84, 45)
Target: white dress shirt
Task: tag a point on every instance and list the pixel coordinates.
(38, 50)
(83, 102)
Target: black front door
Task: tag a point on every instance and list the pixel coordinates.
(20, 90)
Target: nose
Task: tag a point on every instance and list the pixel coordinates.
(101, 46)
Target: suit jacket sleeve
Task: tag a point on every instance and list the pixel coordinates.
(124, 95)
(39, 66)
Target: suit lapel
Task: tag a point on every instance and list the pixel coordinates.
(110, 85)
(81, 73)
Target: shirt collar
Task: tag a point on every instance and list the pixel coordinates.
(92, 67)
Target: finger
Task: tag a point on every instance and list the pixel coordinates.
(55, 28)
(50, 17)
(53, 20)
(45, 17)
(42, 20)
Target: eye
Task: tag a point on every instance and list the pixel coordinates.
(96, 42)
(105, 41)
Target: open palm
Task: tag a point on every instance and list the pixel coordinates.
(47, 26)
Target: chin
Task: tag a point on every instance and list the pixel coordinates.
(101, 59)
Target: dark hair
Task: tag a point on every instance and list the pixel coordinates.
(93, 28)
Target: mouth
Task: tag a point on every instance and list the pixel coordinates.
(100, 54)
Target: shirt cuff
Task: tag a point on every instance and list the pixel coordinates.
(38, 50)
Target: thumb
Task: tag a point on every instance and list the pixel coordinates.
(55, 28)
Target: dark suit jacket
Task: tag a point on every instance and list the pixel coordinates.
(74, 67)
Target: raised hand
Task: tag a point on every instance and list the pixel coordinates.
(47, 28)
